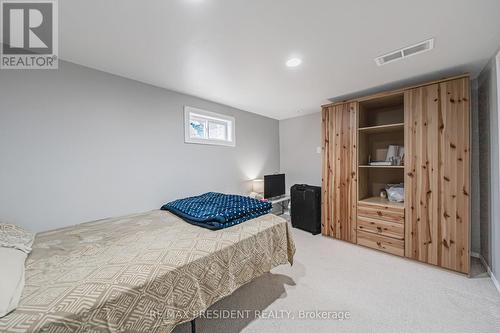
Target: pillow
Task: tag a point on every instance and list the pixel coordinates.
(15, 245)
(11, 278)
(13, 236)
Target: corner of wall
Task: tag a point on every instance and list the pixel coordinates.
(496, 221)
(495, 281)
(475, 188)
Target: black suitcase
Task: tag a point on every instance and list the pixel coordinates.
(305, 211)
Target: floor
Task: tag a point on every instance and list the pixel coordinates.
(381, 292)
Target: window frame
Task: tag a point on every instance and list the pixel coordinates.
(216, 117)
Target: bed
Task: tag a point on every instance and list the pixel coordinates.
(141, 273)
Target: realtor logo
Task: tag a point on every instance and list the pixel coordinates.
(29, 34)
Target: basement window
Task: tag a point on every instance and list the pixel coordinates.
(208, 128)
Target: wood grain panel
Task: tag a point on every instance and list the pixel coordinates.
(437, 174)
(390, 93)
(386, 213)
(386, 244)
(339, 183)
(327, 140)
(384, 228)
(421, 173)
(454, 142)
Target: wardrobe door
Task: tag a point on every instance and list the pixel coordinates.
(454, 162)
(422, 173)
(437, 174)
(339, 184)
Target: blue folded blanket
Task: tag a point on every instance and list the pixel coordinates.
(217, 210)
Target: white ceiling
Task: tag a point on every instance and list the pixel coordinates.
(234, 51)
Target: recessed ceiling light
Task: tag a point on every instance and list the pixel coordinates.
(293, 62)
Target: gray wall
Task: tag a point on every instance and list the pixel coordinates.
(495, 249)
(299, 139)
(489, 165)
(77, 144)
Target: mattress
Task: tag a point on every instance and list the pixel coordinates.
(141, 273)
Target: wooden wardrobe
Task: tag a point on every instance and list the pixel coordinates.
(432, 122)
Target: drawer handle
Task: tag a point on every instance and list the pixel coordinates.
(379, 229)
(379, 213)
(379, 244)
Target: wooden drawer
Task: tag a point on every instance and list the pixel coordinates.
(386, 244)
(386, 213)
(380, 227)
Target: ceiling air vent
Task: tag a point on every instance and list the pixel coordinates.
(406, 52)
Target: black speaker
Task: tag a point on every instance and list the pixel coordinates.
(305, 209)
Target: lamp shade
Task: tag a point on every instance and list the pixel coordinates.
(258, 185)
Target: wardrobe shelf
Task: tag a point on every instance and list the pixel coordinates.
(382, 128)
(383, 166)
(378, 201)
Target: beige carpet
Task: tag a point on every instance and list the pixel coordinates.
(383, 293)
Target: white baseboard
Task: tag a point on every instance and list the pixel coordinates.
(495, 281)
(488, 269)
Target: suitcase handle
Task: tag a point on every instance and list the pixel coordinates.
(300, 188)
